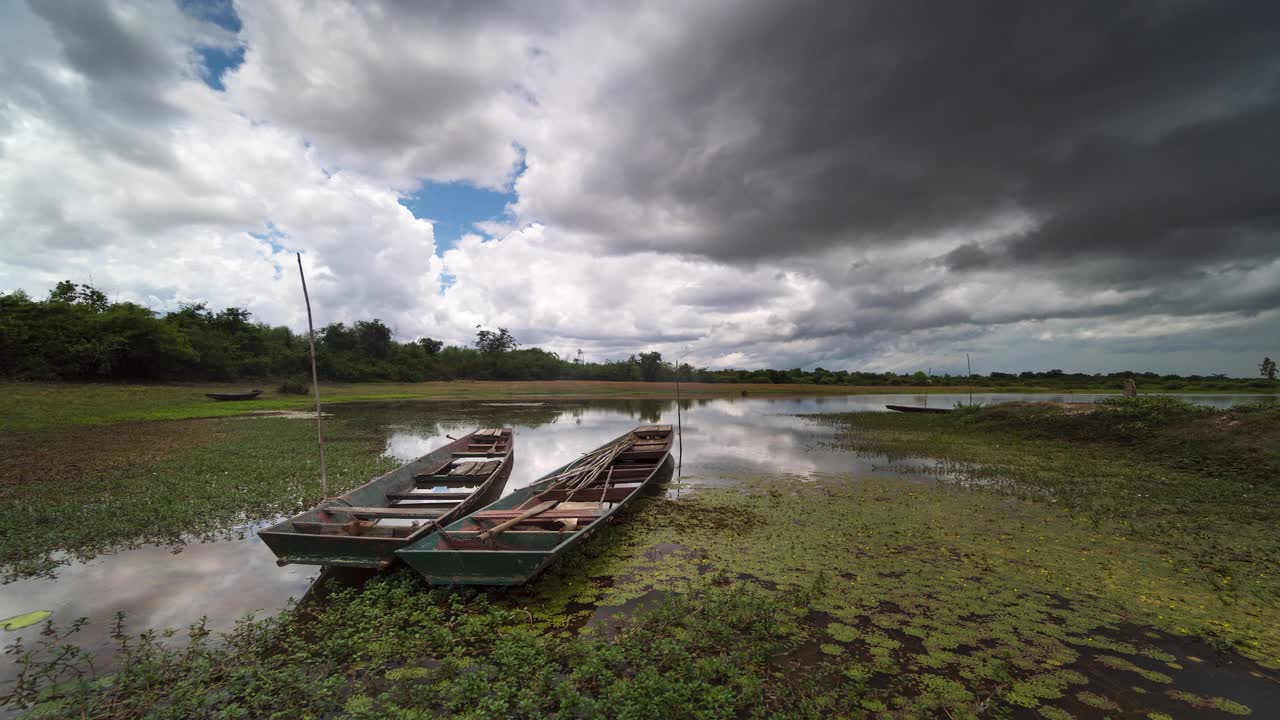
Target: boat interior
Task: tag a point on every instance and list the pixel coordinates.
(572, 501)
(408, 506)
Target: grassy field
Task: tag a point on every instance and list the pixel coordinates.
(33, 407)
(41, 406)
(1110, 561)
(164, 482)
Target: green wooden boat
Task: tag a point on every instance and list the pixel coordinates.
(365, 527)
(512, 540)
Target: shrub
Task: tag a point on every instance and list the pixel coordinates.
(295, 386)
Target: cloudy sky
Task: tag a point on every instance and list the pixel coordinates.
(862, 185)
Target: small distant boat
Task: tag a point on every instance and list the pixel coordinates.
(517, 537)
(365, 527)
(918, 408)
(229, 397)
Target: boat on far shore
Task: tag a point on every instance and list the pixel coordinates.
(917, 409)
(231, 397)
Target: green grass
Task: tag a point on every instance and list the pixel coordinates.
(1058, 552)
(221, 473)
(805, 599)
(36, 407)
(1201, 483)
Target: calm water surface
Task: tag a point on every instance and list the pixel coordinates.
(724, 440)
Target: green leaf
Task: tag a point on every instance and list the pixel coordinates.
(17, 622)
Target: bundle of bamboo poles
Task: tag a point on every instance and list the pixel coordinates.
(590, 466)
(582, 475)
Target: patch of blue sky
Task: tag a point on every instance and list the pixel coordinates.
(454, 208)
(272, 237)
(219, 12)
(275, 238)
(216, 61)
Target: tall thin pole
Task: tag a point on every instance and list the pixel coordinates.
(970, 366)
(679, 419)
(315, 382)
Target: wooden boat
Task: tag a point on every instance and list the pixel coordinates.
(918, 408)
(515, 538)
(366, 526)
(228, 397)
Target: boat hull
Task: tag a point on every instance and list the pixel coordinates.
(292, 546)
(917, 409)
(233, 397)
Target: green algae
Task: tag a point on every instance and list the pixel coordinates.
(1003, 598)
(1210, 703)
(822, 596)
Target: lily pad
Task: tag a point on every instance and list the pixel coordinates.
(17, 622)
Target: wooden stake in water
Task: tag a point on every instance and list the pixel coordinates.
(315, 381)
(679, 420)
(970, 366)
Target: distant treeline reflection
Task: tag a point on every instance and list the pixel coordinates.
(77, 333)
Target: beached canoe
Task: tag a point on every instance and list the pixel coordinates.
(512, 540)
(366, 526)
(230, 397)
(918, 408)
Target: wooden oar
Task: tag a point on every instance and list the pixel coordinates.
(593, 470)
(535, 510)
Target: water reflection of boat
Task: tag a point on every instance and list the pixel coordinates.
(230, 397)
(917, 408)
(365, 527)
(515, 538)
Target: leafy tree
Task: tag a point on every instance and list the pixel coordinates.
(73, 294)
(490, 342)
(77, 333)
(650, 365)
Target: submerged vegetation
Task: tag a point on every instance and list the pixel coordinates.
(1200, 482)
(1070, 562)
(895, 600)
(163, 482)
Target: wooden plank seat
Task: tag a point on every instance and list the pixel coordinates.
(556, 513)
(430, 481)
(475, 467)
(406, 513)
(588, 494)
(334, 528)
(396, 496)
(464, 468)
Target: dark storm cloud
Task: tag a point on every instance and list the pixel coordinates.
(123, 63)
(1125, 130)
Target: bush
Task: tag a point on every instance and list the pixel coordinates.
(295, 386)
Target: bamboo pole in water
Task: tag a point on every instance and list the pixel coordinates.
(315, 381)
(679, 420)
(970, 366)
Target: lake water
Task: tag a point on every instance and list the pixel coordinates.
(723, 440)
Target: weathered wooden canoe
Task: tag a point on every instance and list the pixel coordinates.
(228, 397)
(515, 538)
(918, 408)
(366, 526)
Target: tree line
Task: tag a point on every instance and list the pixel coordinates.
(77, 333)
